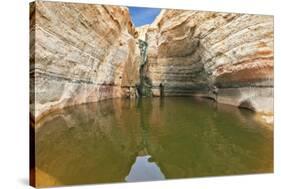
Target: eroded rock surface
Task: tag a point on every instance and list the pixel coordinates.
(81, 53)
(85, 53)
(228, 57)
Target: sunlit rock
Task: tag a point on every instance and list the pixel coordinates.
(82, 53)
(225, 56)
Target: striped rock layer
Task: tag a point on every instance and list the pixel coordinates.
(224, 56)
(80, 53)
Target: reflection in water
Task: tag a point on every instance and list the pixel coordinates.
(144, 170)
(150, 139)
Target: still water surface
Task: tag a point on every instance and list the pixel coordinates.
(150, 139)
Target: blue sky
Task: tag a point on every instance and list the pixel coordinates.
(141, 16)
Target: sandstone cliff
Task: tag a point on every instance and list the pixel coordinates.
(224, 56)
(80, 53)
(85, 53)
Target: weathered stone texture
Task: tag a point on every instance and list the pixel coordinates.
(225, 56)
(85, 53)
(82, 53)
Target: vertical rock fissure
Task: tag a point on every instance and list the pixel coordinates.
(144, 87)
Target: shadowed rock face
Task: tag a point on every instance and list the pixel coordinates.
(228, 57)
(81, 53)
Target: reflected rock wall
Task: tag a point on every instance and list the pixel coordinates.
(80, 145)
(124, 140)
(207, 139)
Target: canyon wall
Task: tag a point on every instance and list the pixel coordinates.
(224, 56)
(80, 53)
